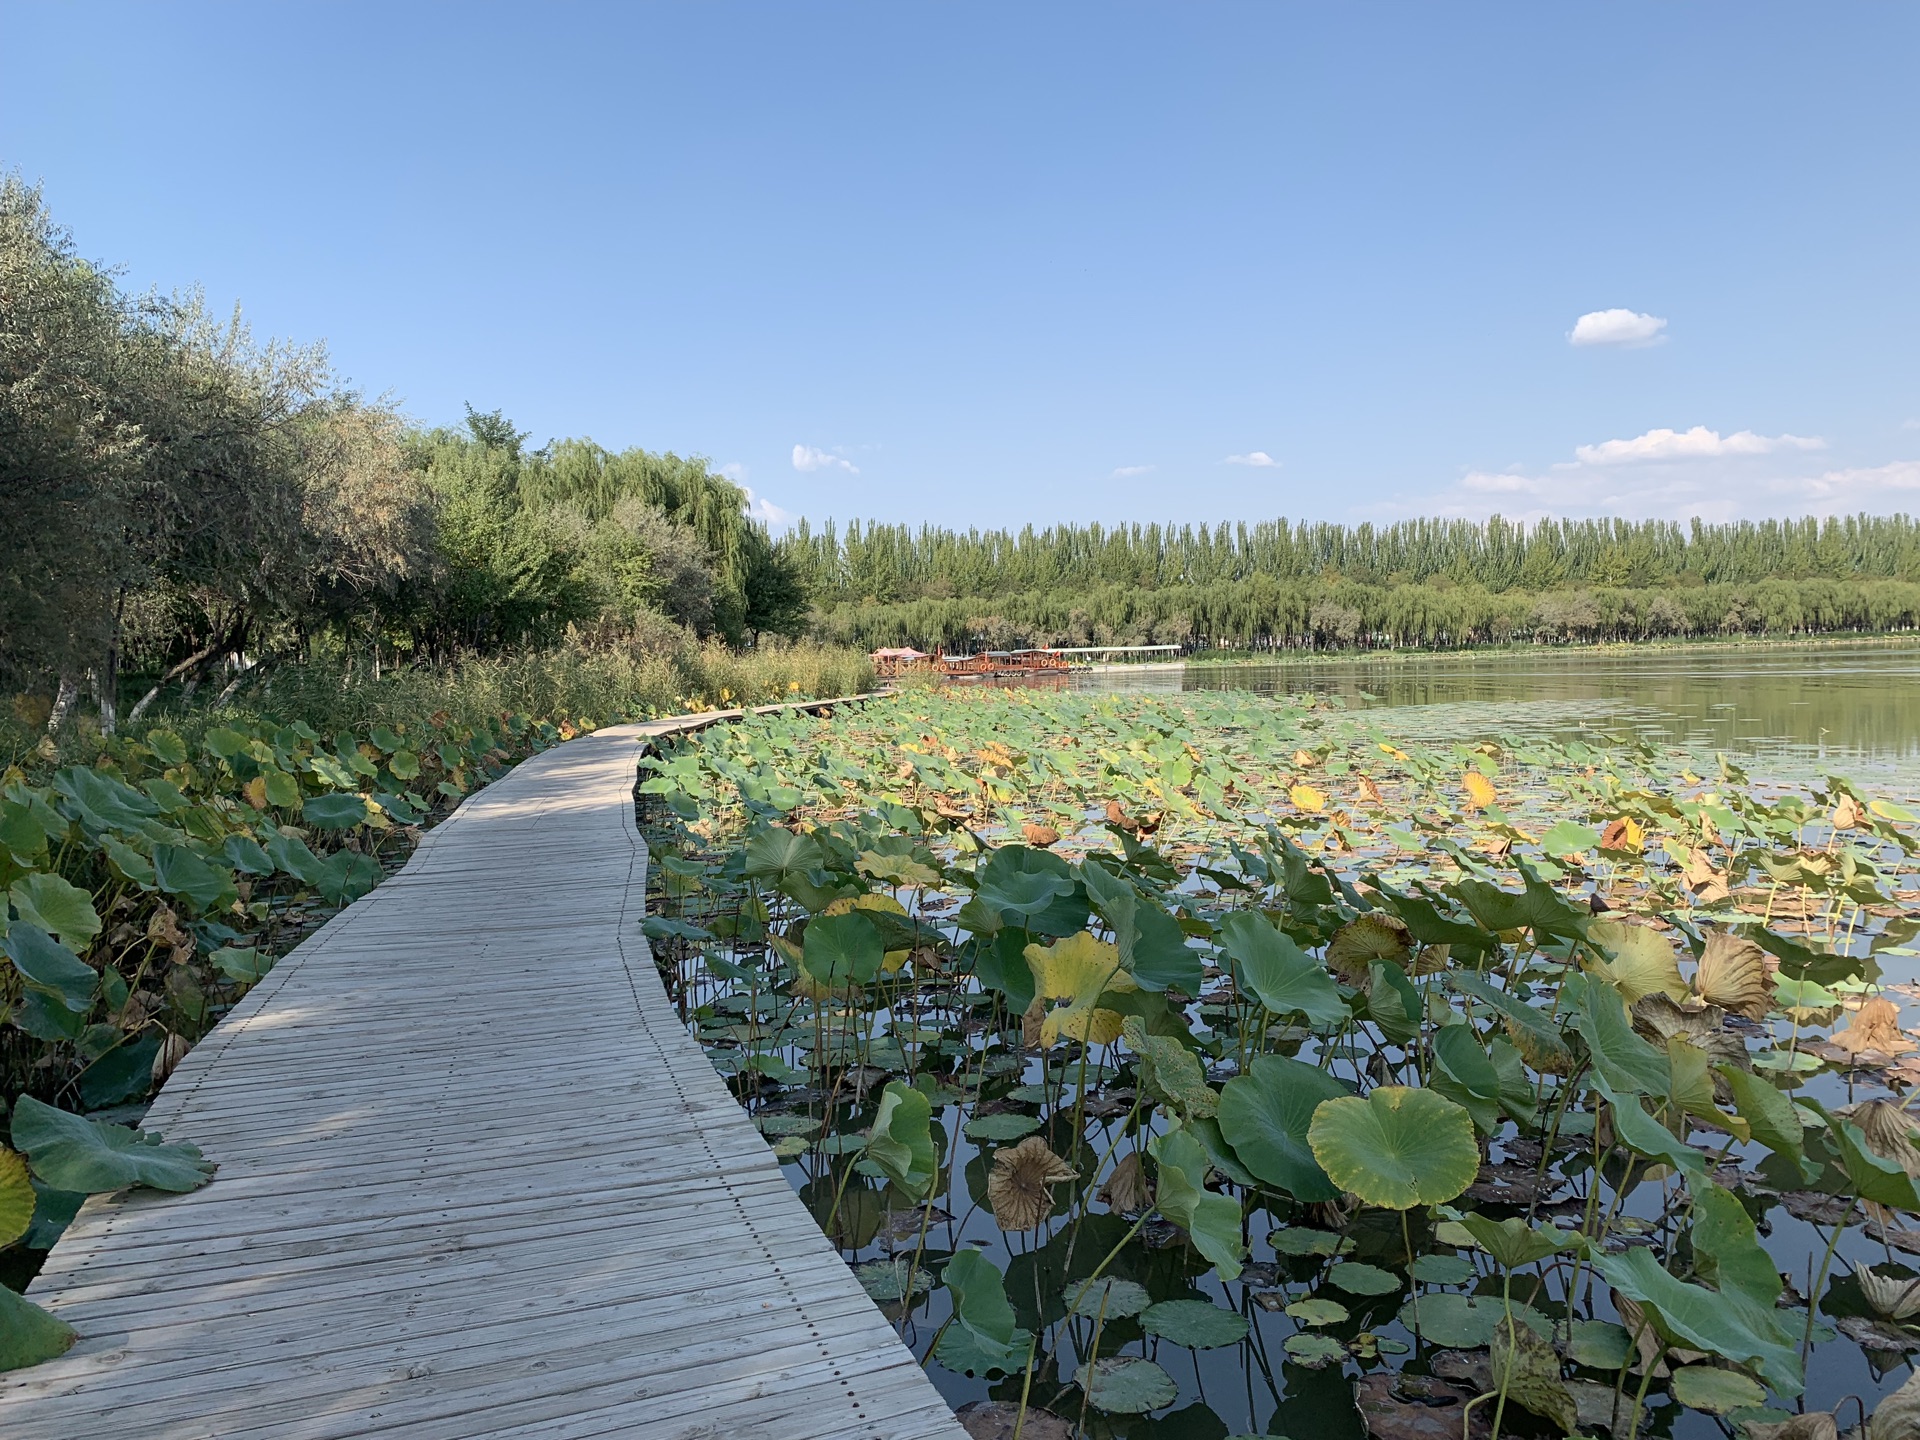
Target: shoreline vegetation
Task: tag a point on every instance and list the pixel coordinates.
(1845, 640)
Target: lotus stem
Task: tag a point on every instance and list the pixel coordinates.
(1820, 1284)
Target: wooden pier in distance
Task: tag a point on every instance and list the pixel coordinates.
(476, 1182)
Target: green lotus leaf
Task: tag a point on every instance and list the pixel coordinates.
(335, 812)
(1539, 1041)
(71, 1152)
(1621, 1059)
(1513, 1243)
(901, 1140)
(58, 907)
(1281, 975)
(1726, 1246)
(1465, 1322)
(1153, 948)
(1301, 1241)
(842, 950)
(1709, 1388)
(983, 1338)
(1399, 1147)
(50, 968)
(1197, 1324)
(1726, 1323)
(178, 871)
(775, 855)
(1466, 1075)
(1211, 1220)
(1171, 1073)
(1265, 1115)
(1126, 1385)
(28, 1334)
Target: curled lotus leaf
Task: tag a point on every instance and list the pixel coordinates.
(1898, 1416)
(1171, 1073)
(1367, 938)
(1078, 971)
(1733, 974)
(1639, 960)
(1875, 1027)
(1897, 1297)
(1398, 1147)
(1125, 1189)
(1479, 790)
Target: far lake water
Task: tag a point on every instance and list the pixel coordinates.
(1850, 709)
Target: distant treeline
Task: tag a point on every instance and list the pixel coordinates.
(899, 562)
(182, 505)
(1267, 614)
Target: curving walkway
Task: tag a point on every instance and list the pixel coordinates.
(476, 1180)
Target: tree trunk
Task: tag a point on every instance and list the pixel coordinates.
(214, 650)
(63, 699)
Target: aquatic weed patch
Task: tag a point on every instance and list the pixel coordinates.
(1201, 1064)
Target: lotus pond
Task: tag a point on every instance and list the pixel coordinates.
(1209, 1064)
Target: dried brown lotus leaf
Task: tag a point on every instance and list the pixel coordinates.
(1875, 1026)
(1031, 1023)
(1126, 1190)
(1041, 837)
(1814, 1425)
(1898, 1416)
(1889, 1131)
(1849, 814)
(1889, 1295)
(1733, 974)
(1365, 939)
(172, 1051)
(1017, 1187)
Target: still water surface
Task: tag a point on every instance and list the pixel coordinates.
(1850, 708)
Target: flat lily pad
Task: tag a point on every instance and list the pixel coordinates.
(1118, 1297)
(1358, 1279)
(1314, 1351)
(1465, 1322)
(1709, 1388)
(789, 1147)
(1004, 1126)
(886, 1280)
(1299, 1240)
(1126, 1385)
(1599, 1344)
(1317, 1312)
(1197, 1324)
(1443, 1269)
(785, 1124)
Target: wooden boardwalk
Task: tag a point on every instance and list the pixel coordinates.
(476, 1180)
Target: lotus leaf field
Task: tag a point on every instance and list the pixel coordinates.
(1207, 1065)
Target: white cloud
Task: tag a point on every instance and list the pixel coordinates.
(1127, 472)
(735, 472)
(1675, 475)
(1699, 443)
(805, 457)
(1259, 459)
(1627, 329)
(768, 513)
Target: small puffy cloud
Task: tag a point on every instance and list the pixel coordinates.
(768, 513)
(1127, 472)
(1259, 459)
(1699, 443)
(735, 472)
(1623, 329)
(805, 457)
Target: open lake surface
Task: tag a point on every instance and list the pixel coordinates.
(1797, 710)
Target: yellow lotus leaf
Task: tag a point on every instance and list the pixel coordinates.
(1077, 971)
(1306, 798)
(1370, 792)
(1639, 960)
(1480, 791)
(1394, 750)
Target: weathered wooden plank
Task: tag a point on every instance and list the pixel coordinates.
(439, 1215)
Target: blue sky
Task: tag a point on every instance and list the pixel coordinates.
(992, 264)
